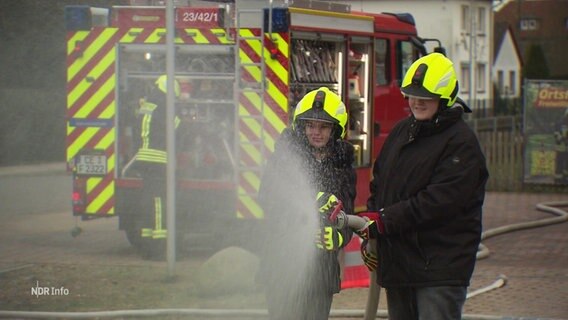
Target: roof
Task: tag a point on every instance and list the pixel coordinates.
(501, 30)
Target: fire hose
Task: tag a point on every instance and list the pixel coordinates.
(355, 222)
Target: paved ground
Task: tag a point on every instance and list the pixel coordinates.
(534, 261)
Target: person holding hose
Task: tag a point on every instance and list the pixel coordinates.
(426, 199)
(308, 175)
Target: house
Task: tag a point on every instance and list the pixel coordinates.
(507, 64)
(541, 24)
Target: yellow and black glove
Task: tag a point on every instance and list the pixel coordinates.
(326, 202)
(330, 209)
(369, 258)
(328, 238)
(370, 231)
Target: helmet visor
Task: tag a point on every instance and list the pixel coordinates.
(419, 92)
(317, 115)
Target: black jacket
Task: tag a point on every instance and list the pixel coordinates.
(430, 179)
(288, 188)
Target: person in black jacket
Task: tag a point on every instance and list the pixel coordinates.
(427, 191)
(309, 173)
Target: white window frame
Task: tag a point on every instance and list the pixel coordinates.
(481, 19)
(529, 24)
(512, 82)
(465, 19)
(501, 82)
(480, 83)
(464, 81)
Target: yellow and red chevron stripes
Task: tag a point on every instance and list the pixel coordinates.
(90, 85)
(91, 81)
(273, 110)
(91, 100)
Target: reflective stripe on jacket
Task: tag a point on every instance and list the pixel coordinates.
(153, 135)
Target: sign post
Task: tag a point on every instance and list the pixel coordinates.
(170, 140)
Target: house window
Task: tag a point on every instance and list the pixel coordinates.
(481, 16)
(529, 24)
(464, 81)
(465, 19)
(512, 82)
(480, 77)
(500, 82)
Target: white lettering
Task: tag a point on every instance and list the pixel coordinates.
(39, 291)
(48, 291)
(200, 17)
(59, 291)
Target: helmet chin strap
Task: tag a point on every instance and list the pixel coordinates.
(442, 105)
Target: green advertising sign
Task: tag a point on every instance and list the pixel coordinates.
(546, 132)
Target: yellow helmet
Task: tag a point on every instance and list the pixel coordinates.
(323, 105)
(162, 84)
(432, 76)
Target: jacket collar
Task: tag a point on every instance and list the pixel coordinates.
(443, 119)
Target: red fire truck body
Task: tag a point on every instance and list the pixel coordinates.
(242, 70)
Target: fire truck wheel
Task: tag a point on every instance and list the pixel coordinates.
(153, 249)
(150, 249)
(133, 236)
(132, 229)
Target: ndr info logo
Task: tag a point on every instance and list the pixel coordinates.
(49, 291)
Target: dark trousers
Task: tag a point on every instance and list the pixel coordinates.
(153, 195)
(428, 303)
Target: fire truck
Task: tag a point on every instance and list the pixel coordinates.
(242, 67)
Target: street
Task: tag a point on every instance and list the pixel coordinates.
(34, 194)
(36, 223)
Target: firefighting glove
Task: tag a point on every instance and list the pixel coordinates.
(365, 232)
(328, 238)
(330, 206)
(374, 227)
(326, 202)
(369, 257)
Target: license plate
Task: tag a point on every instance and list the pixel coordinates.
(91, 164)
